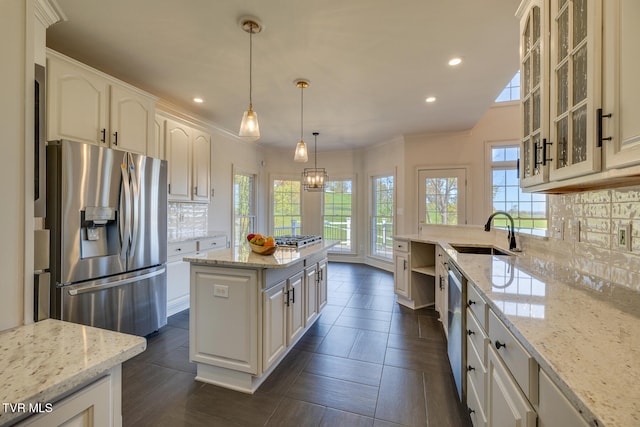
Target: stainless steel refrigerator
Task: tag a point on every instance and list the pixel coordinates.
(107, 214)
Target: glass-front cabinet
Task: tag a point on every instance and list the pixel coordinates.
(621, 87)
(575, 77)
(534, 80)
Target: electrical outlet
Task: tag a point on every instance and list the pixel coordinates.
(624, 236)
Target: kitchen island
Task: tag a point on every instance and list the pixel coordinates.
(582, 332)
(248, 310)
(51, 371)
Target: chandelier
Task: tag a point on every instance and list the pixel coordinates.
(314, 179)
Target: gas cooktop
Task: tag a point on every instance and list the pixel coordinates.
(297, 241)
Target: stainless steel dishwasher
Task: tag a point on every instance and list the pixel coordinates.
(456, 344)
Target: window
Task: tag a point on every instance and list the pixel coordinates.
(244, 213)
(442, 196)
(338, 208)
(382, 218)
(511, 92)
(287, 207)
(529, 210)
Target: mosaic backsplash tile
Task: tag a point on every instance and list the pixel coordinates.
(585, 234)
(187, 220)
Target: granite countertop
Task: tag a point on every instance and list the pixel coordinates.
(42, 361)
(190, 238)
(243, 257)
(583, 332)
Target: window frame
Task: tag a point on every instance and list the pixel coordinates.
(283, 177)
(354, 222)
(463, 192)
(239, 171)
(507, 165)
(372, 216)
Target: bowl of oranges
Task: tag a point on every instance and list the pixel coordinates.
(263, 245)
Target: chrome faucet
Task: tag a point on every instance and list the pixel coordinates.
(511, 236)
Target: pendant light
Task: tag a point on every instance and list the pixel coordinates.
(249, 128)
(301, 149)
(314, 179)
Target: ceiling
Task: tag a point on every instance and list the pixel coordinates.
(371, 63)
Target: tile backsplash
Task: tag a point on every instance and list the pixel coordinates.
(187, 220)
(597, 233)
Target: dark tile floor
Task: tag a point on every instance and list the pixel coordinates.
(366, 362)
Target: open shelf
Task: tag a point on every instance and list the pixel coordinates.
(428, 270)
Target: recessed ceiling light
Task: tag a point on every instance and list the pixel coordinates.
(198, 100)
(455, 61)
(430, 99)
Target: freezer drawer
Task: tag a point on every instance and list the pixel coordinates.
(134, 305)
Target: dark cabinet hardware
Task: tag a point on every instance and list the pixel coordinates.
(286, 299)
(544, 151)
(104, 136)
(293, 296)
(115, 141)
(471, 302)
(601, 116)
(470, 368)
(499, 345)
(470, 332)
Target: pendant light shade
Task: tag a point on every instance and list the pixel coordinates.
(314, 179)
(249, 127)
(301, 149)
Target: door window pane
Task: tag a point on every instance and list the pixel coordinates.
(337, 218)
(287, 219)
(244, 215)
(382, 218)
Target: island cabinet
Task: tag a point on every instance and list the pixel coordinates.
(246, 316)
(88, 106)
(414, 273)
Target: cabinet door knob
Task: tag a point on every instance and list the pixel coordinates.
(470, 368)
(471, 411)
(470, 332)
(499, 345)
(471, 302)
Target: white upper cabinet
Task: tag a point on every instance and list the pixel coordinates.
(575, 76)
(86, 105)
(534, 83)
(621, 83)
(131, 121)
(201, 166)
(579, 94)
(188, 153)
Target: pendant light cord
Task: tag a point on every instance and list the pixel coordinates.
(301, 111)
(250, 63)
(315, 152)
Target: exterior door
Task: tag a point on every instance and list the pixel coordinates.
(441, 195)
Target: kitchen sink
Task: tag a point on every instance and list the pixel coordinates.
(480, 250)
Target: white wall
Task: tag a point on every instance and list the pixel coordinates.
(16, 47)
(499, 123)
(227, 153)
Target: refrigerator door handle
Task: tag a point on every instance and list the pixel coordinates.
(126, 218)
(135, 193)
(99, 286)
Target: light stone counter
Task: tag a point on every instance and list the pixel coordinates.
(45, 360)
(583, 331)
(243, 257)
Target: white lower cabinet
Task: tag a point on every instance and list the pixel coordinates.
(475, 405)
(178, 275)
(310, 294)
(224, 318)
(295, 307)
(95, 405)
(244, 321)
(506, 404)
(554, 409)
(322, 283)
(274, 325)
